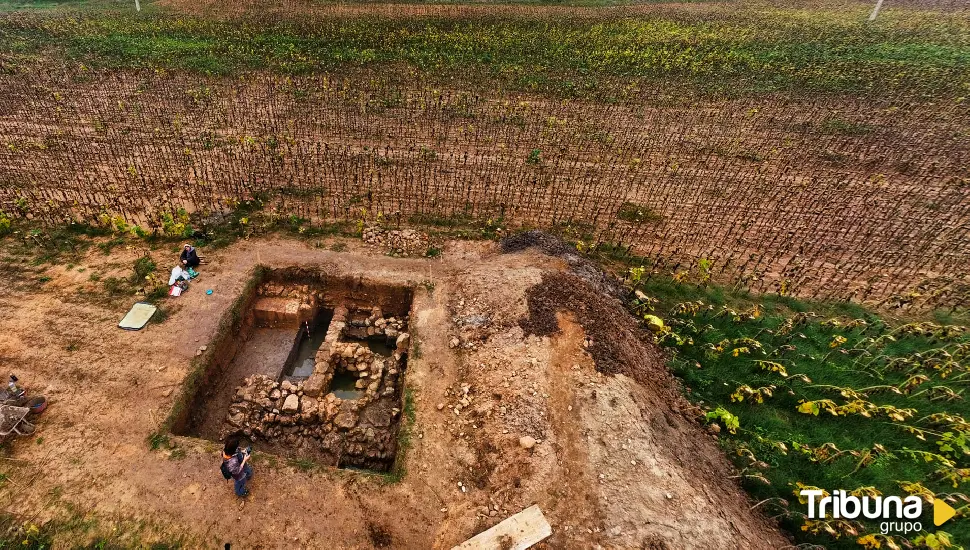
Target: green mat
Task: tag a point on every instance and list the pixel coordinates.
(138, 316)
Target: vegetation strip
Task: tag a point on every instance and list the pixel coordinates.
(828, 396)
(717, 50)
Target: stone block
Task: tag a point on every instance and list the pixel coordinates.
(317, 382)
(403, 341)
(340, 314)
(292, 404)
(358, 333)
(305, 312)
(346, 419)
(334, 331)
(308, 405)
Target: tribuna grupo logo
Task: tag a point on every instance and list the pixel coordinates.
(895, 514)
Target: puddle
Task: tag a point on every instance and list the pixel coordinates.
(310, 336)
(380, 347)
(344, 386)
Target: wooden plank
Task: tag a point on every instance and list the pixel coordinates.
(516, 532)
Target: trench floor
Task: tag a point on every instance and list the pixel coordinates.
(265, 352)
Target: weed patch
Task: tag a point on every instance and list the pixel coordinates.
(715, 51)
(302, 464)
(404, 435)
(634, 213)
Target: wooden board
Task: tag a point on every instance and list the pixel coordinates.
(516, 532)
(138, 316)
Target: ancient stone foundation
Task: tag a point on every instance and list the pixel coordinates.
(354, 425)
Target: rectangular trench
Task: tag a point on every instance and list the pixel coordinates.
(261, 376)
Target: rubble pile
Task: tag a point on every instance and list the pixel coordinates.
(374, 325)
(398, 242)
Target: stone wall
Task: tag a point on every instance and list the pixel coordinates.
(375, 325)
(357, 292)
(337, 354)
(305, 415)
(284, 306)
(340, 432)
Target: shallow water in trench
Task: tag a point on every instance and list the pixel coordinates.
(343, 386)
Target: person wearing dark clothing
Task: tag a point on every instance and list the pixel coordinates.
(234, 464)
(189, 257)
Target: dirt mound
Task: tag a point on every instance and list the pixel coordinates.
(613, 338)
(552, 245)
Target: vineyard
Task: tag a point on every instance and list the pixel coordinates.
(785, 183)
(821, 158)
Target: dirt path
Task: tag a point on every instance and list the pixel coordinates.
(480, 384)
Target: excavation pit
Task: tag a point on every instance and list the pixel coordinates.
(311, 367)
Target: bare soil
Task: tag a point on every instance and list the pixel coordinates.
(619, 462)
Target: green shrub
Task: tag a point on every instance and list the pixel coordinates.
(636, 213)
(535, 157)
(144, 267)
(6, 225)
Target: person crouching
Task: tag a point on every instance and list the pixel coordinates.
(189, 258)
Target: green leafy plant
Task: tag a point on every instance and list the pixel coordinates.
(158, 440)
(144, 267)
(535, 157)
(6, 224)
(954, 444)
(636, 213)
(176, 224)
(934, 541)
(722, 415)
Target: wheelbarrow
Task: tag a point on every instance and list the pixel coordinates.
(13, 422)
(17, 396)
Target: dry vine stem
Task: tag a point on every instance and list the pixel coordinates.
(862, 198)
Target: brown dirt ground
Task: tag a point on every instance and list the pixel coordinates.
(617, 464)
